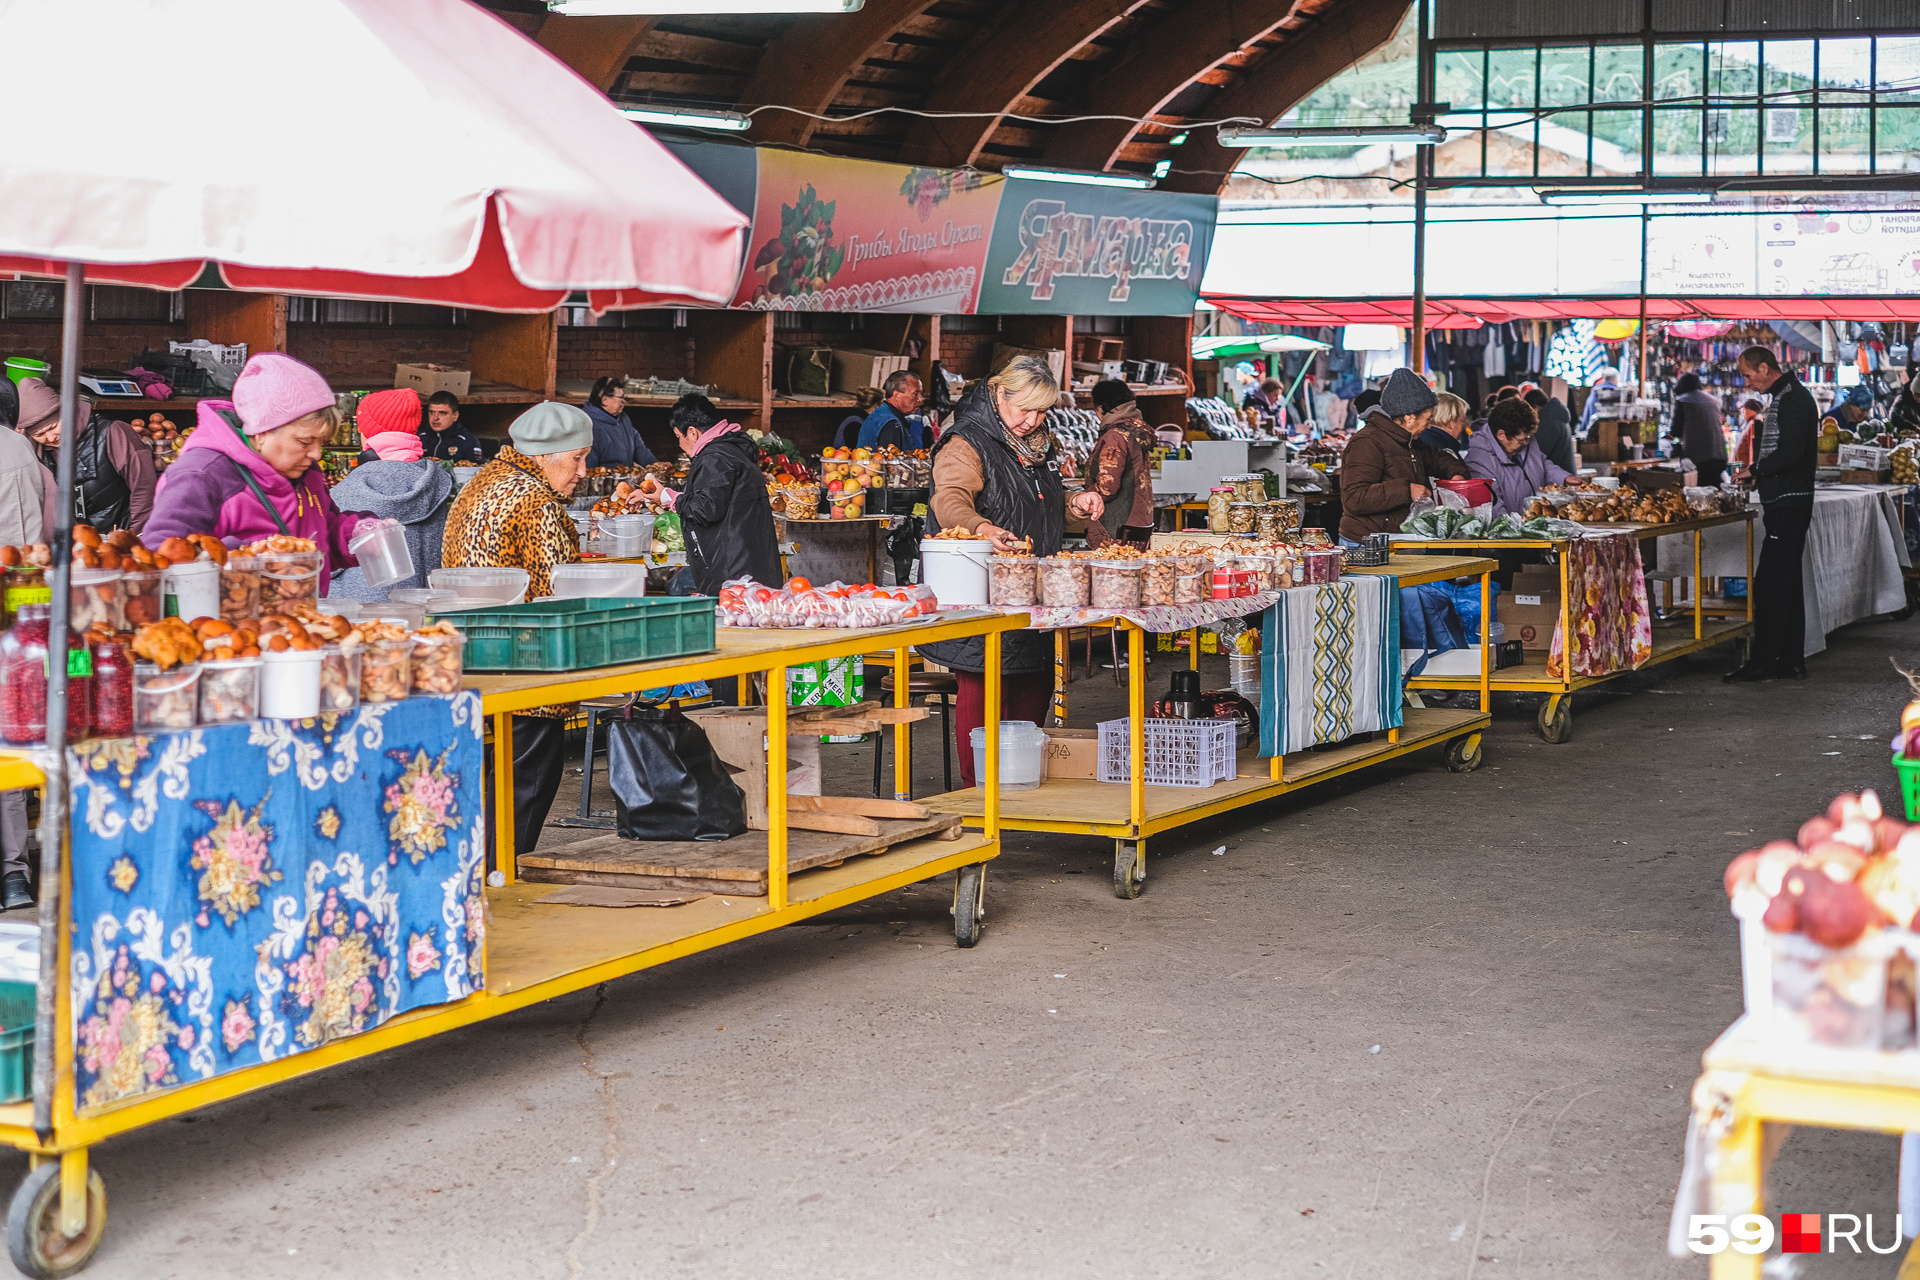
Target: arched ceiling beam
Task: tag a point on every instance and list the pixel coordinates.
(1164, 61)
(1002, 69)
(596, 48)
(1280, 80)
(807, 65)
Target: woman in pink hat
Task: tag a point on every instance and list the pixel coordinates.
(249, 469)
(397, 484)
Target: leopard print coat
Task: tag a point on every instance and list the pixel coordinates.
(509, 517)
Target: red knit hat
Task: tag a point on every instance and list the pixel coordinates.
(383, 411)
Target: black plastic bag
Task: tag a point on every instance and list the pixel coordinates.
(667, 782)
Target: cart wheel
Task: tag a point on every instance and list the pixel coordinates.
(34, 1238)
(1556, 720)
(1129, 879)
(968, 888)
(1463, 754)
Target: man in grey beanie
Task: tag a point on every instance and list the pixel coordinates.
(1387, 467)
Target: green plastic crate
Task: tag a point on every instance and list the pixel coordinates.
(1909, 771)
(17, 1008)
(573, 635)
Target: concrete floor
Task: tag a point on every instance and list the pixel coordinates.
(1409, 1024)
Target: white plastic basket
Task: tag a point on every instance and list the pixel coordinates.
(234, 354)
(1180, 753)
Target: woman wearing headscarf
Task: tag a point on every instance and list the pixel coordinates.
(401, 483)
(513, 515)
(1697, 430)
(616, 441)
(250, 468)
(996, 475)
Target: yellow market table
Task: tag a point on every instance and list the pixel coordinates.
(1750, 1081)
(1712, 624)
(532, 953)
(1083, 807)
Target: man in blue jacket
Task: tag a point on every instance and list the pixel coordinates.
(444, 436)
(895, 420)
(1785, 451)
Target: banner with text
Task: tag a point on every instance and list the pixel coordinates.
(1061, 248)
(832, 234)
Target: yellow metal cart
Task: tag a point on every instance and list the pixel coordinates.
(1083, 807)
(58, 1213)
(1749, 1082)
(1712, 624)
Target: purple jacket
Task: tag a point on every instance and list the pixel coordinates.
(204, 492)
(1514, 479)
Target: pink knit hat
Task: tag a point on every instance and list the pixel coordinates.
(396, 446)
(275, 389)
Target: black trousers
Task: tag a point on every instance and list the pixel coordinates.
(539, 761)
(1710, 472)
(1779, 602)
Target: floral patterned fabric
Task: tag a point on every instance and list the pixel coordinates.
(245, 892)
(1612, 623)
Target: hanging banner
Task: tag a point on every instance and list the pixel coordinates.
(831, 234)
(1064, 248)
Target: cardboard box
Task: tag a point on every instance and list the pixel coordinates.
(1531, 610)
(1004, 355)
(854, 368)
(430, 378)
(1072, 753)
(1850, 476)
(831, 682)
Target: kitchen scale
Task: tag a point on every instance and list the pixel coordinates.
(111, 384)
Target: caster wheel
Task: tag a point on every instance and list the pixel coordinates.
(1463, 754)
(34, 1238)
(966, 905)
(1128, 882)
(1558, 726)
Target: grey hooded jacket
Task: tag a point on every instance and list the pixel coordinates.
(415, 494)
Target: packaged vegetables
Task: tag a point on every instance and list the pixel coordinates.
(746, 603)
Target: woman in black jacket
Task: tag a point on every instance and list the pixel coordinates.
(724, 514)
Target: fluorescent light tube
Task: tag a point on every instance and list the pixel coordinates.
(623, 8)
(687, 117)
(1358, 135)
(1084, 177)
(1575, 195)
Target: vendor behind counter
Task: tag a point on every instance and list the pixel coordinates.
(996, 475)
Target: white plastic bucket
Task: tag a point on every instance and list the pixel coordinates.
(1023, 755)
(600, 581)
(191, 590)
(956, 569)
(290, 684)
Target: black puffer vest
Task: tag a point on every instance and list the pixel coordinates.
(101, 496)
(1028, 501)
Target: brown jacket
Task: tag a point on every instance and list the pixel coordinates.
(1377, 474)
(1122, 448)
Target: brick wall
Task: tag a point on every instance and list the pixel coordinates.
(967, 354)
(587, 354)
(103, 344)
(364, 356)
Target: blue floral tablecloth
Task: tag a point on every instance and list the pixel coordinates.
(245, 892)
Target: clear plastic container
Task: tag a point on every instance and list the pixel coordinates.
(1064, 583)
(436, 662)
(1322, 565)
(1117, 583)
(1266, 576)
(351, 610)
(1157, 585)
(229, 690)
(598, 581)
(240, 589)
(142, 597)
(1837, 998)
(1012, 580)
(431, 598)
(385, 670)
(1190, 585)
(406, 613)
(191, 590)
(23, 676)
(165, 700)
(802, 501)
(339, 678)
(500, 586)
(587, 526)
(290, 684)
(1023, 755)
(287, 577)
(96, 597)
(1243, 674)
(625, 537)
(380, 548)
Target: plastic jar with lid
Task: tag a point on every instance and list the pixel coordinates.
(240, 589)
(19, 585)
(1219, 502)
(1012, 580)
(339, 678)
(1064, 583)
(23, 677)
(141, 599)
(165, 699)
(290, 684)
(112, 689)
(385, 672)
(1116, 584)
(1241, 517)
(1190, 579)
(436, 661)
(1156, 585)
(94, 596)
(287, 577)
(229, 690)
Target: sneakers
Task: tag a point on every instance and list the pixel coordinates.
(16, 889)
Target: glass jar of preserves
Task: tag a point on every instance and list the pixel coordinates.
(23, 676)
(1241, 516)
(1219, 500)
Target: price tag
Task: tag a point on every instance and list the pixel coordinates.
(920, 510)
(79, 663)
(17, 596)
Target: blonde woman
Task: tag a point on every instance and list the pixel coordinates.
(1448, 430)
(996, 475)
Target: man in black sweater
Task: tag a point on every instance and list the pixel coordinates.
(1784, 454)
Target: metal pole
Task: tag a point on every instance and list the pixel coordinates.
(1421, 155)
(1640, 373)
(53, 795)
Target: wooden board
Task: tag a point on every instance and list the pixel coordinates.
(737, 866)
(589, 895)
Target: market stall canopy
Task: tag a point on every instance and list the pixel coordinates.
(1471, 313)
(436, 155)
(1270, 345)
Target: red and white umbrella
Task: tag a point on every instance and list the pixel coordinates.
(411, 150)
